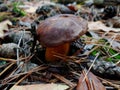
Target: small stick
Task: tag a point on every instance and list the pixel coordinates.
(21, 80)
(7, 59)
(91, 66)
(6, 68)
(110, 83)
(64, 80)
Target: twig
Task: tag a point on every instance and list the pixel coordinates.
(18, 49)
(7, 59)
(6, 68)
(110, 83)
(64, 80)
(12, 60)
(88, 52)
(91, 66)
(117, 63)
(21, 79)
(31, 71)
(15, 71)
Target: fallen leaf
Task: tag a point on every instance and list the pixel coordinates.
(30, 7)
(41, 87)
(98, 25)
(89, 82)
(4, 27)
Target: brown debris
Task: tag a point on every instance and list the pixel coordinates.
(89, 82)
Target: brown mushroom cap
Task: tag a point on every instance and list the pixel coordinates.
(60, 29)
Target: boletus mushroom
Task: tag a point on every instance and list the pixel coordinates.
(57, 32)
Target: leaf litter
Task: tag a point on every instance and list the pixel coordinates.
(30, 68)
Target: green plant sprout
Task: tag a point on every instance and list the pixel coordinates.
(17, 10)
(107, 52)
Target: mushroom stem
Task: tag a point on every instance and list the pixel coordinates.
(61, 49)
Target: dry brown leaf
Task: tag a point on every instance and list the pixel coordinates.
(98, 25)
(30, 7)
(4, 27)
(41, 87)
(89, 82)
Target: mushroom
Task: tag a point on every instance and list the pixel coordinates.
(56, 33)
